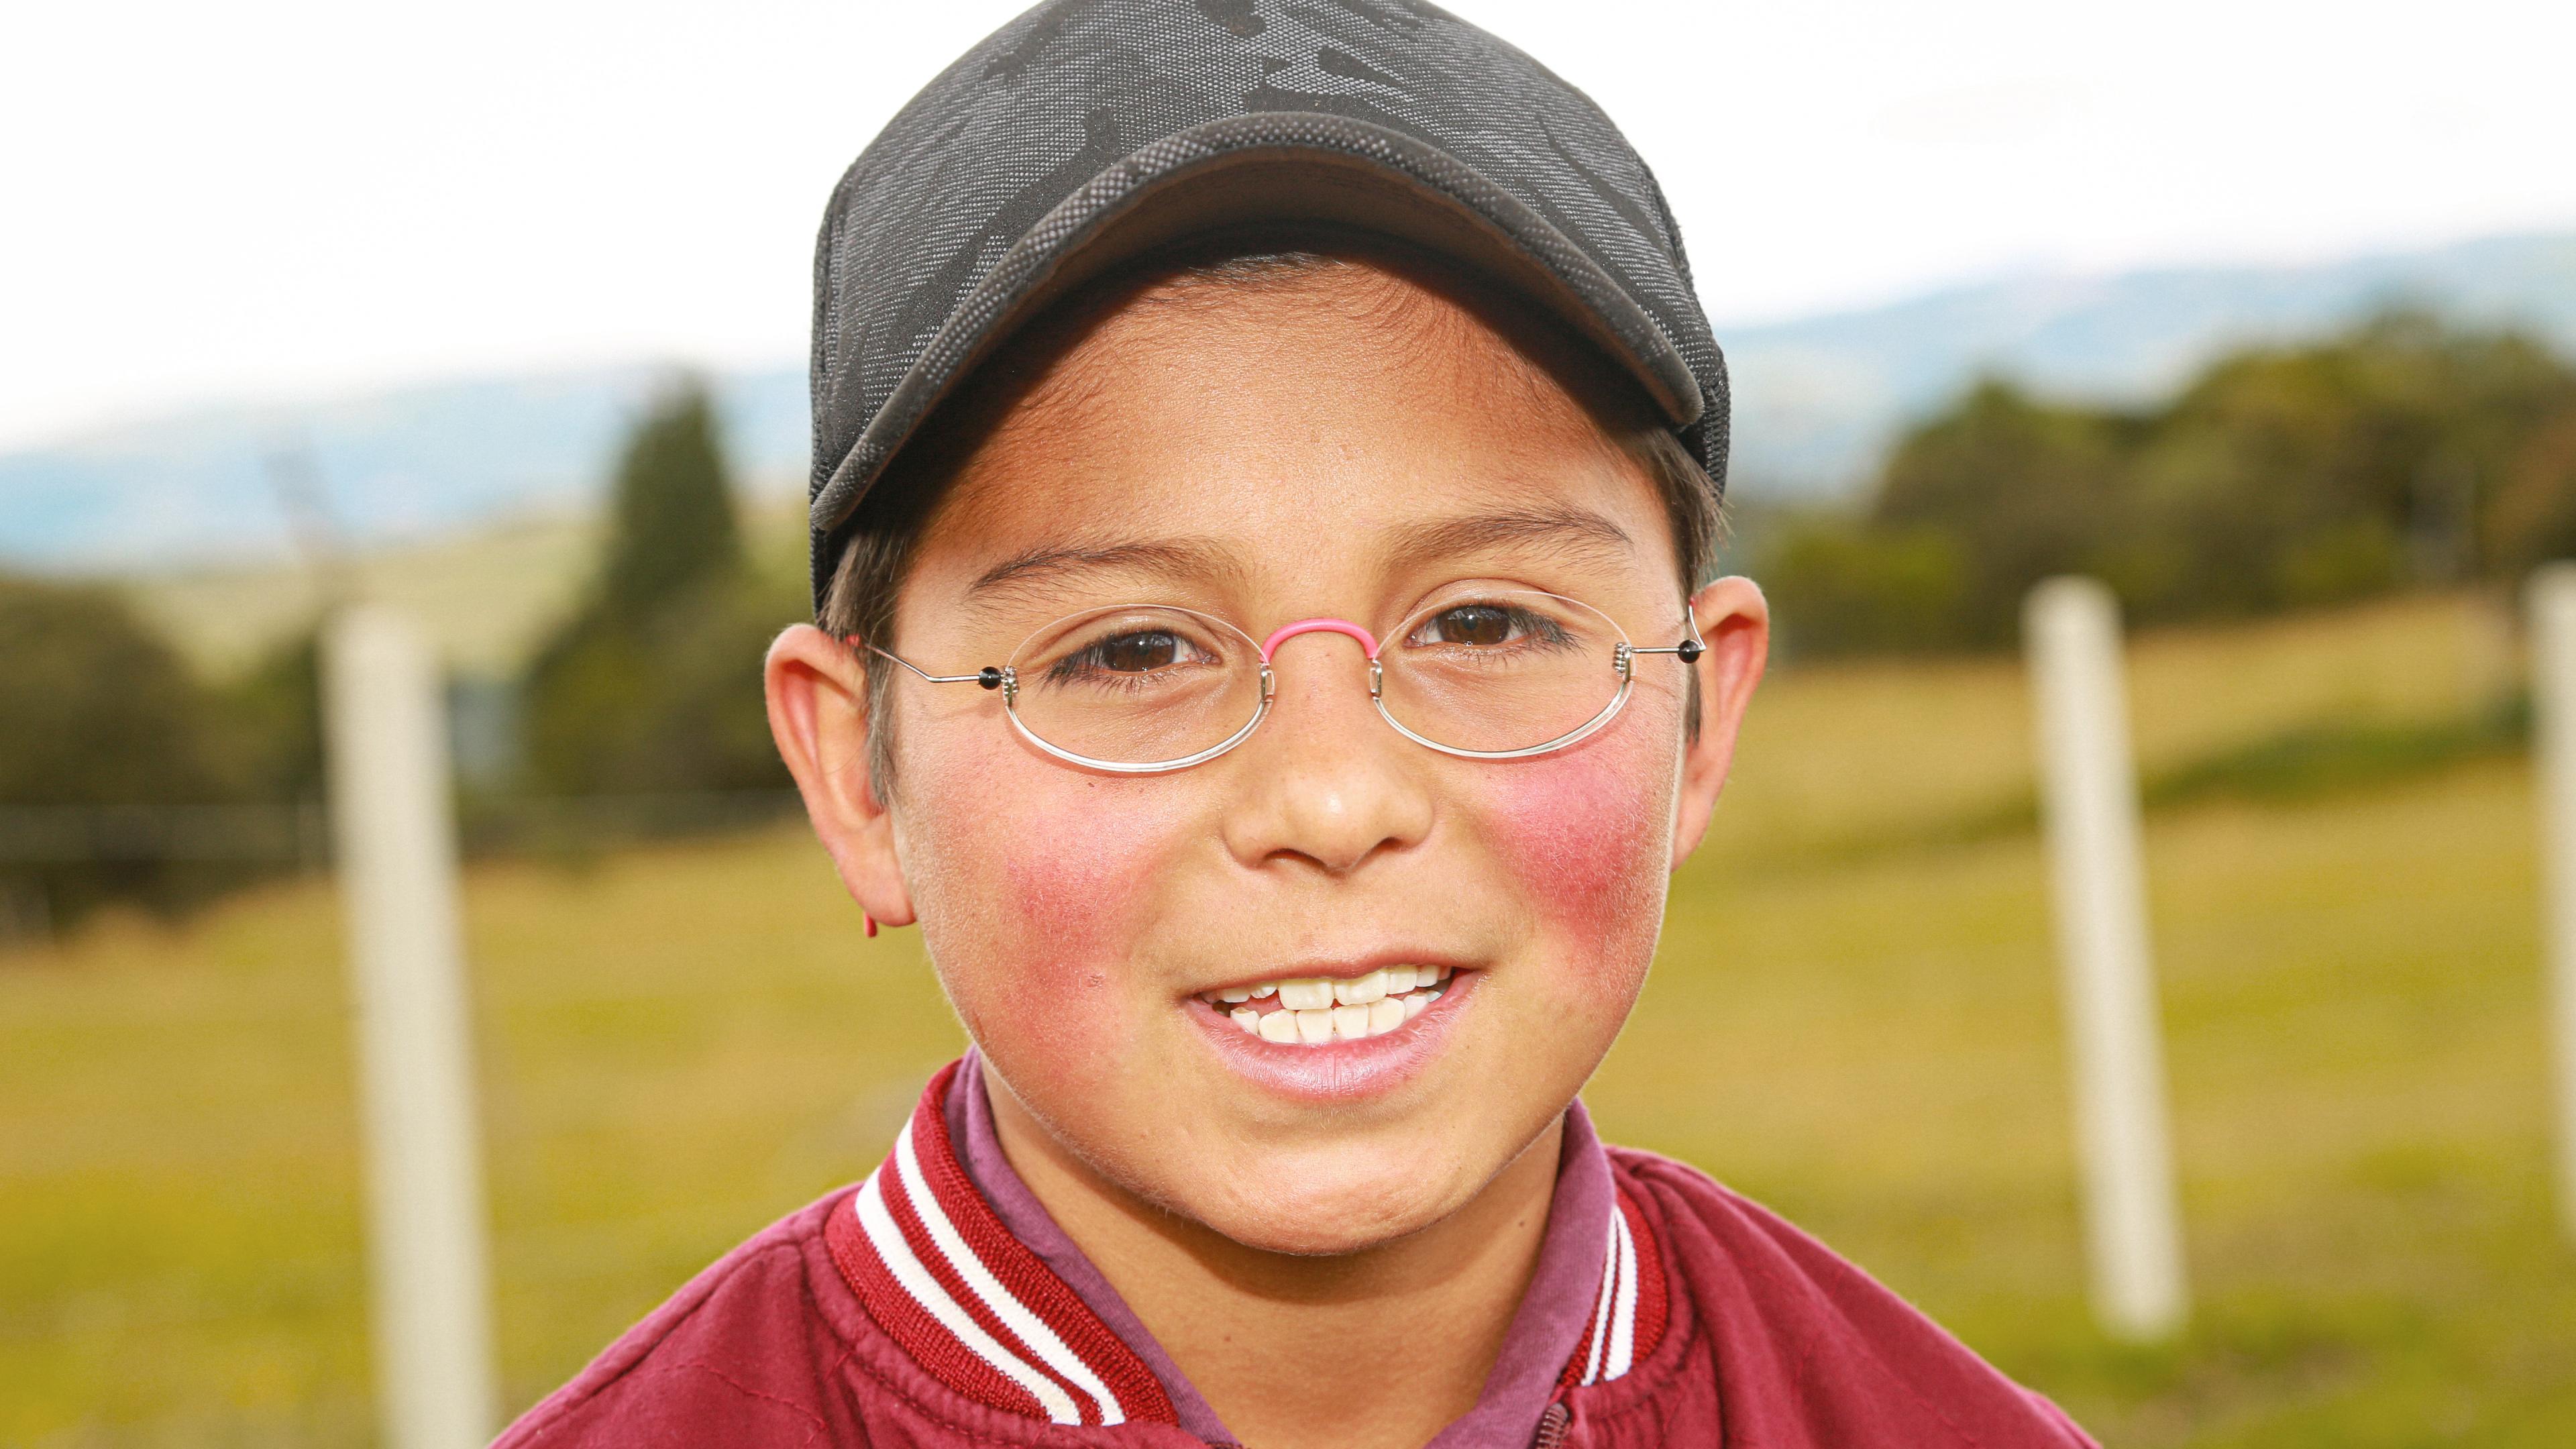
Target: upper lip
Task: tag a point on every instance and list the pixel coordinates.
(1341, 968)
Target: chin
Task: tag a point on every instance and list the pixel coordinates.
(1316, 1206)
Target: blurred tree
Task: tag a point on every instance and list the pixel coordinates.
(671, 523)
(2533, 517)
(1875, 590)
(272, 721)
(95, 710)
(2020, 489)
(2294, 476)
(654, 684)
(2403, 452)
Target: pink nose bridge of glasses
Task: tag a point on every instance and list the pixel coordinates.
(1286, 632)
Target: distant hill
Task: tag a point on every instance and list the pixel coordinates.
(1816, 400)
(486, 596)
(399, 467)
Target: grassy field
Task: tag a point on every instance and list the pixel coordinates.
(1853, 1019)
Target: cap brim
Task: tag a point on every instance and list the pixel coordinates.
(1289, 169)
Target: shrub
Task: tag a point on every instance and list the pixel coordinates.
(654, 684)
(95, 710)
(2402, 452)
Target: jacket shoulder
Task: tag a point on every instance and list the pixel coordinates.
(1808, 1349)
(747, 1353)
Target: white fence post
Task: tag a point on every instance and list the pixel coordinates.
(396, 837)
(2089, 804)
(2553, 699)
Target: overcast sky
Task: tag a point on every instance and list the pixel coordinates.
(271, 199)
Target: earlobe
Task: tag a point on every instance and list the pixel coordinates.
(1735, 623)
(817, 692)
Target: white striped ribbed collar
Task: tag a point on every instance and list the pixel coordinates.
(983, 1313)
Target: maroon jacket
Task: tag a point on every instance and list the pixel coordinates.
(936, 1305)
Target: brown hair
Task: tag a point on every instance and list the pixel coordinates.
(882, 535)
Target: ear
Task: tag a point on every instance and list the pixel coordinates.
(1735, 622)
(817, 689)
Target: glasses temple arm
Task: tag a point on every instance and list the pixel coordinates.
(988, 676)
(1689, 649)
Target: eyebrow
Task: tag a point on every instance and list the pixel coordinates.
(1176, 558)
(1573, 532)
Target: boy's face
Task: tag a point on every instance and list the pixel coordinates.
(1343, 443)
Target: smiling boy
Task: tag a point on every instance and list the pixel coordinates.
(1264, 512)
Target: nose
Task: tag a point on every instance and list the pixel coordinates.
(1331, 785)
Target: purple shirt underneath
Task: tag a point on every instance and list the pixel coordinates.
(1544, 1331)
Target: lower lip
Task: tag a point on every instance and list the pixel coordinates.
(1339, 1071)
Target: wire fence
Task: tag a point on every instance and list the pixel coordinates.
(298, 833)
(84, 834)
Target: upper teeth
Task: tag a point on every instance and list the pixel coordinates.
(1318, 1009)
(1308, 995)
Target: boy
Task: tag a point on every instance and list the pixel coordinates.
(1265, 458)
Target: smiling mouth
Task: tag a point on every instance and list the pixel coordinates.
(1317, 1010)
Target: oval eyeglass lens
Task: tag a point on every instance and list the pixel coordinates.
(1136, 685)
(1494, 671)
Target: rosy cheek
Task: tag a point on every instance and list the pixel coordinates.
(1587, 840)
(1072, 882)
(1035, 948)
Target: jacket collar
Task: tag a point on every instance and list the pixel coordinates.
(969, 1301)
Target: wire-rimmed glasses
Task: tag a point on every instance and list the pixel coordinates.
(1484, 675)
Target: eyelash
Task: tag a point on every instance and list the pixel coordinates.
(1529, 628)
(1089, 664)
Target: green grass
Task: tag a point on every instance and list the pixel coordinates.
(677, 1044)
(2353, 1005)
(675, 1047)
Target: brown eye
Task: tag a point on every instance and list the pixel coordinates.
(1473, 624)
(1139, 653)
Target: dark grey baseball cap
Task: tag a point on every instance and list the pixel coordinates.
(1088, 131)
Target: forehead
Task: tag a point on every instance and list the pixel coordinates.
(1308, 429)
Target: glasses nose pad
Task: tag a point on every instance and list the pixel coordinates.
(1377, 680)
(1269, 684)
